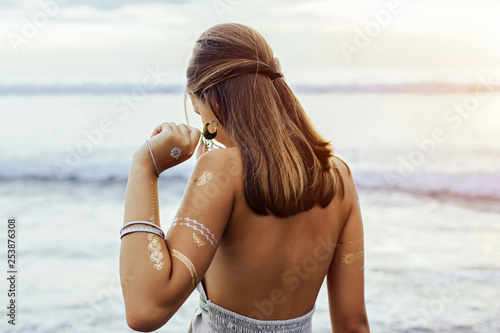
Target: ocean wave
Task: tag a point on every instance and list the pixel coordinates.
(469, 185)
(87, 173)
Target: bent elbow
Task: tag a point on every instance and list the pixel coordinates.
(360, 330)
(141, 323)
(359, 327)
(147, 320)
(138, 324)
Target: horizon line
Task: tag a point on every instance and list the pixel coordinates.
(115, 88)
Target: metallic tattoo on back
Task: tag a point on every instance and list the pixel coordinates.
(202, 179)
(351, 258)
(155, 246)
(186, 221)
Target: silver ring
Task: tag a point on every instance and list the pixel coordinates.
(176, 153)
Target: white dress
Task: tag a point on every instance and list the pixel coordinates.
(212, 318)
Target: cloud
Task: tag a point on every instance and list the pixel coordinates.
(92, 40)
(102, 5)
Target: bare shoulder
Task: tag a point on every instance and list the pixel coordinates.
(350, 192)
(225, 164)
(342, 166)
(220, 157)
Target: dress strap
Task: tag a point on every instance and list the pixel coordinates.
(203, 297)
(203, 304)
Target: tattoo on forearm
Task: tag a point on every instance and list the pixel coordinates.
(188, 264)
(153, 217)
(202, 179)
(198, 240)
(155, 246)
(351, 258)
(186, 221)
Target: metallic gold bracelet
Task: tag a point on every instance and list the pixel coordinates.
(188, 264)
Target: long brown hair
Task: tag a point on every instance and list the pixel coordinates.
(287, 164)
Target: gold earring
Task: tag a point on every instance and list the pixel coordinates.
(207, 137)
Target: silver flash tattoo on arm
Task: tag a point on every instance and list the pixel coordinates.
(155, 246)
(186, 221)
(202, 179)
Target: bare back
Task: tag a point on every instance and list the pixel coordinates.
(272, 268)
(261, 267)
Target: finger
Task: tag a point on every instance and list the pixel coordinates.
(165, 128)
(184, 130)
(191, 128)
(175, 128)
(157, 130)
(194, 134)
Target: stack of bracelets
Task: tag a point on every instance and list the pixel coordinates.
(147, 227)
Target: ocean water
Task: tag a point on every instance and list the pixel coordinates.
(427, 167)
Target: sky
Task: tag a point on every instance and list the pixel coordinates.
(317, 42)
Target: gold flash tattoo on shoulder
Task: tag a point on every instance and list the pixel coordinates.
(351, 258)
(204, 178)
(154, 246)
(198, 240)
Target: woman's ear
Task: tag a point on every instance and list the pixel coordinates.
(211, 102)
(215, 107)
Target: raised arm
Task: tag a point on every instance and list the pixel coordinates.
(345, 279)
(158, 275)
